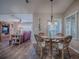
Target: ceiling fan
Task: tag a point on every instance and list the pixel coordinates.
(27, 1)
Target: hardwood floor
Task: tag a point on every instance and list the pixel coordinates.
(23, 51)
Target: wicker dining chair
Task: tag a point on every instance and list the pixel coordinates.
(60, 34)
(40, 46)
(64, 45)
(41, 34)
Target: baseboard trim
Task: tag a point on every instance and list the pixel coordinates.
(75, 50)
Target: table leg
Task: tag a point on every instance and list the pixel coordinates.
(10, 42)
(62, 56)
(50, 52)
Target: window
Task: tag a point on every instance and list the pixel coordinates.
(54, 28)
(71, 25)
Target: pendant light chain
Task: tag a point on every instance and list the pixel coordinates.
(51, 10)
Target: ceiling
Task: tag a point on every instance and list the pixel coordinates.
(42, 6)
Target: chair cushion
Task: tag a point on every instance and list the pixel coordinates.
(60, 46)
(43, 44)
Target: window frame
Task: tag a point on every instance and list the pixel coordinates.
(76, 22)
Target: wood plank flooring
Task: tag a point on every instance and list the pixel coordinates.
(23, 51)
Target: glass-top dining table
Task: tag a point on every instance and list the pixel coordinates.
(54, 39)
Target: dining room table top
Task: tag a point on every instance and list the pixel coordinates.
(53, 37)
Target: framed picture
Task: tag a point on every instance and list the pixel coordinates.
(5, 29)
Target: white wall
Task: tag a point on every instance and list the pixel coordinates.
(44, 17)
